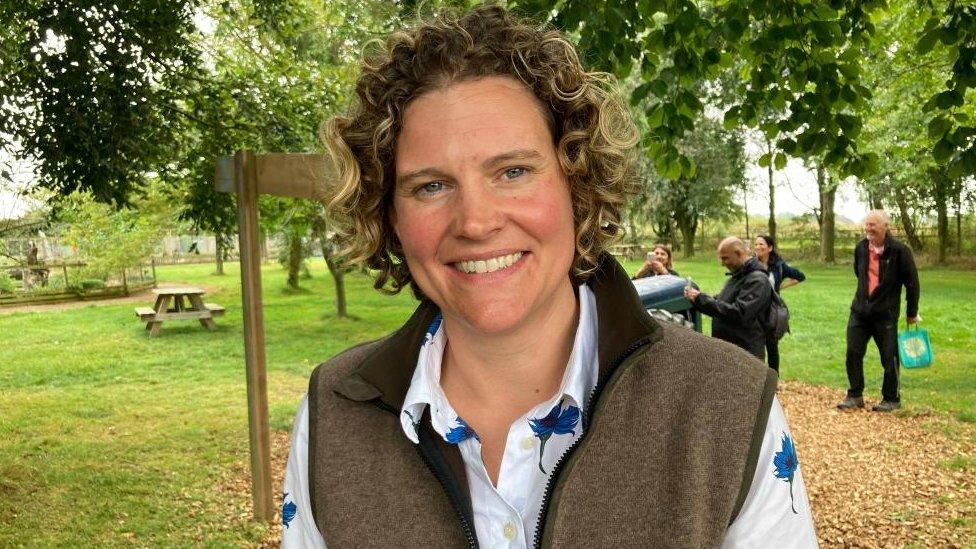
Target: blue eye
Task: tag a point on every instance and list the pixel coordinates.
(430, 188)
(514, 173)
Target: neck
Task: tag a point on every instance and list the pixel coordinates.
(877, 242)
(514, 370)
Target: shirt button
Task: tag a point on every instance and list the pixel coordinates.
(509, 531)
(528, 443)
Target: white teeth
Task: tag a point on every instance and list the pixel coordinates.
(488, 265)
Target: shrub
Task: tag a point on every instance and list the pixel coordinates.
(89, 284)
(6, 283)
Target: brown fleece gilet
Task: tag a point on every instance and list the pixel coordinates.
(666, 460)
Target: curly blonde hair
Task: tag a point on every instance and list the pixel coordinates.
(591, 130)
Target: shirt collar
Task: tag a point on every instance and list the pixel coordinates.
(579, 378)
(877, 250)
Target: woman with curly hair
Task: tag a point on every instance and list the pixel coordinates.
(529, 400)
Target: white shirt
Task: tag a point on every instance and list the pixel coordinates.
(776, 512)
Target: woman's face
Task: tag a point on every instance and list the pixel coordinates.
(661, 255)
(482, 207)
(762, 249)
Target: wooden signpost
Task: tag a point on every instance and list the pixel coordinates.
(247, 174)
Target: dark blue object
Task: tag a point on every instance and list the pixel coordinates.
(667, 292)
(559, 421)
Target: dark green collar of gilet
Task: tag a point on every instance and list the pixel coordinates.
(623, 325)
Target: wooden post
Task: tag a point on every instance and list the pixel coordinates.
(294, 175)
(152, 262)
(245, 181)
(64, 269)
(125, 283)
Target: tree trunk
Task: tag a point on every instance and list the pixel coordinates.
(338, 275)
(295, 258)
(828, 192)
(219, 253)
(959, 220)
(745, 208)
(772, 191)
(874, 200)
(688, 227)
(941, 195)
(906, 221)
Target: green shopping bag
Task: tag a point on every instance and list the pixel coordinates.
(914, 348)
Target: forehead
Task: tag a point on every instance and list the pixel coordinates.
(873, 218)
(470, 121)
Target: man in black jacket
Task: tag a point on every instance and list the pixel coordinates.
(737, 311)
(882, 266)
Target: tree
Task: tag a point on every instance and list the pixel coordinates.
(801, 58)
(911, 180)
(955, 28)
(827, 191)
(111, 240)
(709, 193)
(88, 90)
(278, 70)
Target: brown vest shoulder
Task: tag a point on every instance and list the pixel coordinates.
(367, 483)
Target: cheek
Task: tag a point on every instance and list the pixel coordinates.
(417, 232)
(549, 215)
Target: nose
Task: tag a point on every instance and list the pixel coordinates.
(478, 212)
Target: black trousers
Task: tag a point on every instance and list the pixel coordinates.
(884, 330)
(772, 353)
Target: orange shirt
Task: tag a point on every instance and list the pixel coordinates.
(874, 266)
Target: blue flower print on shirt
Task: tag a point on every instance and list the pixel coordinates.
(786, 463)
(288, 510)
(461, 432)
(559, 421)
(432, 329)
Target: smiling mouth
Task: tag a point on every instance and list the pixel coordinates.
(490, 265)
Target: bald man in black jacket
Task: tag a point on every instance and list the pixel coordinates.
(738, 310)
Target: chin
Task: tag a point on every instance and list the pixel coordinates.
(491, 318)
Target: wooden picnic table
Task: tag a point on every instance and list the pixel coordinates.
(178, 303)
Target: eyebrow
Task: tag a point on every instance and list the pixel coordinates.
(494, 161)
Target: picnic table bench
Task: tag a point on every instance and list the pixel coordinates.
(628, 251)
(178, 303)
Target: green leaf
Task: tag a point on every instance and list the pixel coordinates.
(787, 145)
(939, 126)
(949, 99)
(673, 170)
(639, 93)
(763, 160)
(780, 161)
(927, 42)
(943, 150)
(655, 116)
(962, 135)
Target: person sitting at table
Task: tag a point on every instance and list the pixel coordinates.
(658, 262)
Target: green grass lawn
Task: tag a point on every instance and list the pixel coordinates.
(110, 438)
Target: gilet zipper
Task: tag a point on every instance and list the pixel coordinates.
(615, 372)
(444, 478)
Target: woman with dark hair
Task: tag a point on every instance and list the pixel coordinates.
(530, 400)
(658, 262)
(781, 275)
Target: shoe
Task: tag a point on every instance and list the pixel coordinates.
(886, 406)
(850, 403)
